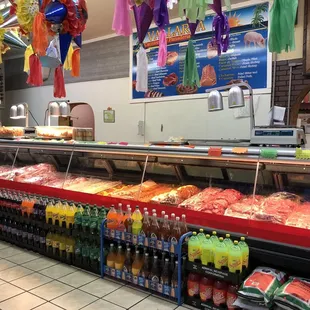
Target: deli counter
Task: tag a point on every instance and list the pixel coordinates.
(259, 192)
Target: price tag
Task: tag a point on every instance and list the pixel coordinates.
(128, 237)
(141, 281)
(118, 274)
(167, 290)
(141, 240)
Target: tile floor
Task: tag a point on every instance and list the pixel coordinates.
(31, 281)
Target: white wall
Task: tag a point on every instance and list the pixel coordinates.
(187, 118)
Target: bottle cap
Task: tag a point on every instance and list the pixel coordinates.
(111, 245)
(146, 254)
(119, 246)
(214, 233)
(194, 233)
(208, 236)
(242, 239)
(201, 230)
(137, 252)
(221, 239)
(155, 257)
(166, 217)
(236, 242)
(166, 259)
(227, 235)
(177, 219)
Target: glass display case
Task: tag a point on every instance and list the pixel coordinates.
(261, 192)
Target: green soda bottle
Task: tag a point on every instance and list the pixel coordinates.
(86, 253)
(220, 254)
(207, 256)
(86, 219)
(78, 217)
(245, 252)
(78, 250)
(201, 236)
(235, 258)
(102, 214)
(93, 220)
(193, 248)
(228, 242)
(214, 238)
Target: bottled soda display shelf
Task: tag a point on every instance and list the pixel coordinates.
(207, 305)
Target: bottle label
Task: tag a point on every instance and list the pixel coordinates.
(63, 217)
(221, 261)
(153, 236)
(18, 232)
(231, 298)
(219, 296)
(69, 248)
(205, 292)
(245, 260)
(234, 264)
(192, 288)
(55, 244)
(13, 231)
(155, 279)
(25, 234)
(36, 238)
(55, 216)
(174, 240)
(30, 236)
(49, 214)
(49, 242)
(193, 253)
(62, 246)
(5, 228)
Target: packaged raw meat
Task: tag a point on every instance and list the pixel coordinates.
(275, 210)
(197, 201)
(231, 195)
(300, 217)
(216, 206)
(176, 196)
(100, 186)
(286, 195)
(261, 285)
(294, 294)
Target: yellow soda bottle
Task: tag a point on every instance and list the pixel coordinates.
(71, 209)
(49, 212)
(63, 214)
(207, 256)
(62, 245)
(228, 241)
(245, 252)
(235, 258)
(214, 238)
(56, 210)
(194, 248)
(220, 254)
(48, 242)
(70, 243)
(201, 236)
(137, 221)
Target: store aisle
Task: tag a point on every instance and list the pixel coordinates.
(31, 281)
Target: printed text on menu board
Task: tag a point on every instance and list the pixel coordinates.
(245, 61)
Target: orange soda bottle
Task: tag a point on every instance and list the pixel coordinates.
(112, 218)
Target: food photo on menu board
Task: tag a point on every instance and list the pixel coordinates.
(245, 60)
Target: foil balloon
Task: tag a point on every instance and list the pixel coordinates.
(55, 12)
(12, 39)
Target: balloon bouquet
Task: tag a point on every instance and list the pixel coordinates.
(52, 26)
(146, 11)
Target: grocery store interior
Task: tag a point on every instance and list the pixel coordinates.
(154, 154)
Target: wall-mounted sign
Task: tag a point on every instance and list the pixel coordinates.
(247, 59)
(109, 116)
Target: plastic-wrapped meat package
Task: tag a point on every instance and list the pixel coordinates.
(82, 186)
(245, 207)
(22, 174)
(300, 217)
(216, 206)
(176, 196)
(231, 195)
(275, 210)
(196, 202)
(6, 172)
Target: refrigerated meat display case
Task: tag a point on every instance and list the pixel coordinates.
(262, 193)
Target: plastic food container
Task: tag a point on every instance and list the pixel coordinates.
(54, 132)
(11, 132)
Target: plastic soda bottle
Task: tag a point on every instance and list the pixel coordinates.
(71, 209)
(48, 242)
(128, 261)
(165, 229)
(137, 264)
(101, 216)
(93, 220)
(206, 288)
(220, 254)
(193, 285)
(201, 236)
(62, 245)
(155, 271)
(70, 243)
(245, 252)
(63, 214)
(193, 248)
(214, 237)
(120, 258)
(228, 242)
(137, 221)
(176, 231)
(111, 257)
(207, 255)
(78, 217)
(219, 293)
(49, 213)
(146, 268)
(86, 219)
(112, 218)
(128, 221)
(121, 218)
(146, 226)
(235, 258)
(232, 296)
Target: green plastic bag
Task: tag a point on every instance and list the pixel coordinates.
(282, 21)
(190, 75)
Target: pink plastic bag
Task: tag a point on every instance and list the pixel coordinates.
(122, 21)
(162, 54)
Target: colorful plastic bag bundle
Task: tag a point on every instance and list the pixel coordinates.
(121, 20)
(260, 286)
(294, 294)
(282, 21)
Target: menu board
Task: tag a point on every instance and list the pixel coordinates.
(246, 59)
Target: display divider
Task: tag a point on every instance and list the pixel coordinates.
(291, 236)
